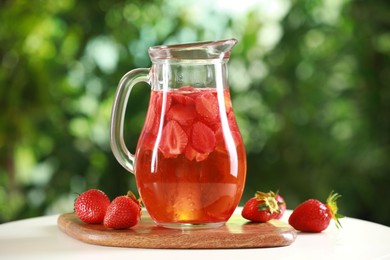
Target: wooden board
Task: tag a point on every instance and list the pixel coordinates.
(237, 233)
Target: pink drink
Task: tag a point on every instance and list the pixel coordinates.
(191, 162)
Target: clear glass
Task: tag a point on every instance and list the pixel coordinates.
(190, 161)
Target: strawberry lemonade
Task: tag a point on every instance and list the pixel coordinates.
(191, 162)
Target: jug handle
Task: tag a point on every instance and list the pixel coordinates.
(118, 146)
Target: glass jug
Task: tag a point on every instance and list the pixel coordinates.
(190, 160)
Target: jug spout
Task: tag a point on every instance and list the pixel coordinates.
(193, 51)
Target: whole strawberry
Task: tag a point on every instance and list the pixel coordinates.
(91, 206)
(282, 206)
(123, 212)
(314, 216)
(261, 208)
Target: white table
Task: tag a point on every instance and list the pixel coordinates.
(39, 238)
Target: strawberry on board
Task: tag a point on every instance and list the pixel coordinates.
(261, 208)
(91, 206)
(314, 216)
(124, 212)
(282, 206)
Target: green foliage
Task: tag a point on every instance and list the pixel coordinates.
(309, 84)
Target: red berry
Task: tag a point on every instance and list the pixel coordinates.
(182, 114)
(203, 138)
(91, 206)
(152, 124)
(262, 208)
(182, 98)
(314, 216)
(173, 140)
(282, 206)
(188, 89)
(191, 154)
(123, 212)
(161, 98)
(206, 105)
(228, 101)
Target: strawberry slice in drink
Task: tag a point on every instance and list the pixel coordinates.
(158, 99)
(202, 138)
(182, 114)
(192, 154)
(173, 140)
(188, 89)
(152, 122)
(181, 98)
(206, 105)
(228, 102)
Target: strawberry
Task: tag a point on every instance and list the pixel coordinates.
(282, 206)
(191, 154)
(173, 140)
(182, 99)
(203, 138)
(261, 208)
(160, 98)
(152, 122)
(91, 206)
(228, 102)
(232, 121)
(314, 216)
(182, 114)
(206, 105)
(188, 89)
(124, 212)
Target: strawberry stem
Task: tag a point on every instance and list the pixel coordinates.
(331, 203)
(269, 201)
(131, 195)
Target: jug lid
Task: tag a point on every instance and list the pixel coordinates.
(193, 51)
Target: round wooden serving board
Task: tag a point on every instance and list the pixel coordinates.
(237, 233)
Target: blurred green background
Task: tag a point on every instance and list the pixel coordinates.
(310, 85)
